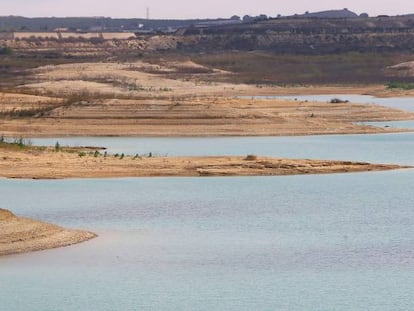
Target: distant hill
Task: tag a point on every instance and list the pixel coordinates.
(326, 32)
(19, 23)
(345, 13)
(305, 35)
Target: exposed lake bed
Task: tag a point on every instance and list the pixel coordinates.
(232, 243)
(243, 163)
(21, 235)
(46, 164)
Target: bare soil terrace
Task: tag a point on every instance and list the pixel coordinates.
(173, 98)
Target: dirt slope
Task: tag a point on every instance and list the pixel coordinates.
(20, 235)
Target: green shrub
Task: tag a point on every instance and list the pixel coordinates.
(6, 50)
(20, 142)
(400, 85)
(251, 157)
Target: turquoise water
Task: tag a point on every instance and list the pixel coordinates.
(385, 148)
(392, 124)
(322, 242)
(317, 242)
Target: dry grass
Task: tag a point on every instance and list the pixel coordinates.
(14, 104)
(286, 69)
(137, 78)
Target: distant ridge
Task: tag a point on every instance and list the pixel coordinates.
(344, 13)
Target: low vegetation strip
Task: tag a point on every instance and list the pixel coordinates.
(400, 85)
(21, 235)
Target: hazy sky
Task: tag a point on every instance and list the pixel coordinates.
(195, 8)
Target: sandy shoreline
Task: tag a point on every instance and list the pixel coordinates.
(134, 99)
(21, 235)
(47, 164)
(204, 117)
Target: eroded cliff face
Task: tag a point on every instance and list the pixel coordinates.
(286, 43)
(284, 35)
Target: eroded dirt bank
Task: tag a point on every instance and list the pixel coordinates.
(21, 235)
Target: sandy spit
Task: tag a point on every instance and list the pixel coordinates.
(21, 235)
(47, 164)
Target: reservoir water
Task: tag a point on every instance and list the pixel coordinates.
(403, 103)
(322, 242)
(318, 242)
(379, 148)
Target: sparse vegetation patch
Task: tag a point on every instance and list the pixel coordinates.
(400, 85)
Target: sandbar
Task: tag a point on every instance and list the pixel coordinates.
(22, 235)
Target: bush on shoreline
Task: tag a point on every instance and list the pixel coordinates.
(400, 85)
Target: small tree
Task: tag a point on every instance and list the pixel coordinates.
(6, 50)
(20, 142)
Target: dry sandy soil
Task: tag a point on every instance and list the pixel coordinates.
(14, 102)
(47, 164)
(135, 79)
(175, 99)
(201, 116)
(20, 235)
(163, 99)
(170, 78)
